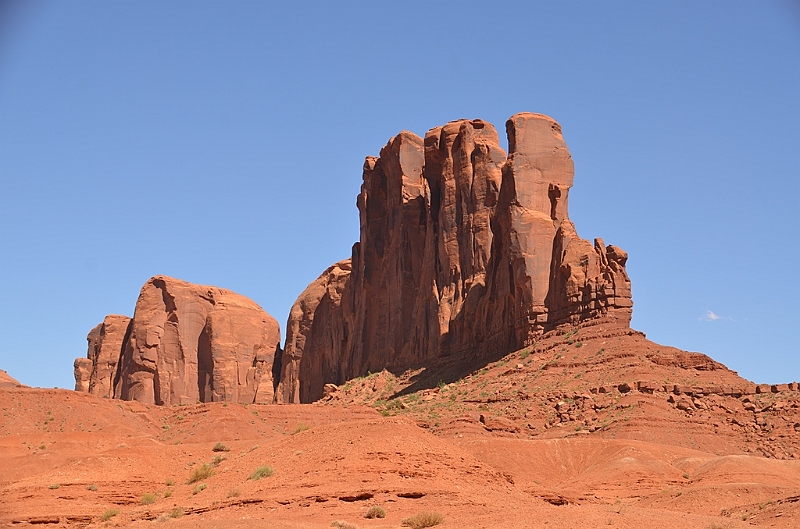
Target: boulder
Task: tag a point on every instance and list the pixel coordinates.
(464, 251)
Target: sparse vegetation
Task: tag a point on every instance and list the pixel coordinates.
(54, 486)
(219, 447)
(234, 493)
(170, 482)
(201, 473)
(176, 512)
(217, 460)
(262, 472)
(199, 488)
(92, 487)
(341, 524)
(108, 514)
(148, 498)
(301, 427)
(167, 494)
(423, 519)
(376, 511)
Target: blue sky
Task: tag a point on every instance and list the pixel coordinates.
(222, 143)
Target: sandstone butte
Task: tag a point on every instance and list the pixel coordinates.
(465, 251)
(186, 343)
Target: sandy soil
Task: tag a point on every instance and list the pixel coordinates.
(556, 435)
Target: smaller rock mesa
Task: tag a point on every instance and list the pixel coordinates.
(186, 343)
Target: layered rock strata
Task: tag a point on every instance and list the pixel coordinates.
(463, 250)
(186, 343)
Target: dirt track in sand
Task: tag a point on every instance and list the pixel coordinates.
(511, 444)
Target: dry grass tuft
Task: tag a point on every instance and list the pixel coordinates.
(262, 472)
(301, 427)
(110, 513)
(423, 519)
(341, 524)
(201, 473)
(376, 511)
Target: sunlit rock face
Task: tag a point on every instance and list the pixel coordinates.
(186, 343)
(464, 250)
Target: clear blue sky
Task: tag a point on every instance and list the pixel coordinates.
(222, 143)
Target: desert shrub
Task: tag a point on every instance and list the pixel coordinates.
(176, 512)
(201, 473)
(110, 513)
(148, 498)
(301, 427)
(262, 472)
(54, 486)
(170, 482)
(92, 487)
(167, 494)
(376, 511)
(217, 460)
(341, 524)
(219, 447)
(423, 519)
(234, 493)
(199, 488)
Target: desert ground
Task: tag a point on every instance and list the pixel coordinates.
(591, 427)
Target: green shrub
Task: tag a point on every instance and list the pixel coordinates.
(201, 473)
(376, 511)
(110, 513)
(262, 472)
(423, 519)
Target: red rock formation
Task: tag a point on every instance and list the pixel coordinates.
(463, 251)
(186, 343)
(105, 348)
(8, 382)
(315, 324)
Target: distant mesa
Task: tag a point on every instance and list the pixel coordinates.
(7, 382)
(465, 251)
(186, 343)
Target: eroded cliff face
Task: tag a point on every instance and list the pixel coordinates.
(186, 343)
(464, 250)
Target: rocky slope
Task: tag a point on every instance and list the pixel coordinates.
(464, 251)
(186, 343)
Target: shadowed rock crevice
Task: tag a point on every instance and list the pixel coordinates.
(465, 252)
